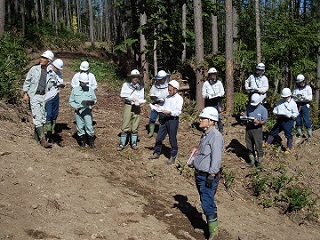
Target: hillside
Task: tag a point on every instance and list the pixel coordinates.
(70, 193)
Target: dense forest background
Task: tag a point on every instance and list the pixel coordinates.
(179, 36)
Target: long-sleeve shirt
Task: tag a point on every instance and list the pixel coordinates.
(133, 94)
(257, 84)
(212, 91)
(31, 82)
(210, 150)
(287, 108)
(92, 81)
(173, 104)
(159, 92)
(79, 97)
(302, 94)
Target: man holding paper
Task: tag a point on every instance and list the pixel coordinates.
(82, 99)
(132, 93)
(169, 121)
(212, 92)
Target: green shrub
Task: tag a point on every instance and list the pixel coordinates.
(297, 198)
(13, 59)
(228, 178)
(258, 182)
(240, 102)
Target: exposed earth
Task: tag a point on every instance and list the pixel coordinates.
(68, 192)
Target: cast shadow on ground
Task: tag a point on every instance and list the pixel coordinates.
(237, 148)
(191, 212)
(56, 137)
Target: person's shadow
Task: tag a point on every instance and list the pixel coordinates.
(237, 148)
(191, 213)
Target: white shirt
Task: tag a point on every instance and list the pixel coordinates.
(173, 104)
(133, 95)
(287, 108)
(159, 91)
(302, 94)
(212, 91)
(92, 80)
(258, 84)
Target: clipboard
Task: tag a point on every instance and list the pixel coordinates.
(87, 102)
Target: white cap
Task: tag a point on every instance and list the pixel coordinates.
(84, 66)
(134, 73)
(255, 99)
(210, 113)
(58, 63)
(300, 78)
(175, 84)
(212, 70)
(84, 77)
(286, 92)
(48, 54)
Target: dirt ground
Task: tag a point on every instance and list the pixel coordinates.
(67, 192)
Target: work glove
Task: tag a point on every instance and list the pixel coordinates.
(209, 181)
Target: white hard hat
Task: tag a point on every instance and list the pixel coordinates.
(261, 66)
(161, 74)
(286, 92)
(210, 113)
(48, 54)
(175, 84)
(84, 77)
(84, 66)
(300, 78)
(135, 72)
(58, 63)
(212, 70)
(255, 99)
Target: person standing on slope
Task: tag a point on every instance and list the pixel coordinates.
(84, 68)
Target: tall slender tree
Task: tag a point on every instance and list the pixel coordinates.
(2, 16)
(258, 30)
(143, 41)
(229, 56)
(198, 29)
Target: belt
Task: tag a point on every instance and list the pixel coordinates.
(200, 173)
(41, 92)
(170, 118)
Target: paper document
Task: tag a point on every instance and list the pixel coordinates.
(245, 118)
(156, 108)
(193, 155)
(51, 94)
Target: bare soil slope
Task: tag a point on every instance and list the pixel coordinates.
(71, 193)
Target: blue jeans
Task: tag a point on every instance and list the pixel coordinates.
(207, 195)
(283, 124)
(169, 125)
(52, 109)
(305, 116)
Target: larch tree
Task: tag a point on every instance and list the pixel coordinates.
(2, 16)
(184, 32)
(258, 30)
(198, 29)
(143, 41)
(229, 57)
(214, 30)
(91, 22)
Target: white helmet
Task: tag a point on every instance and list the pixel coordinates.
(48, 54)
(84, 77)
(300, 78)
(58, 63)
(210, 113)
(286, 92)
(84, 66)
(212, 70)
(161, 74)
(135, 72)
(175, 84)
(261, 66)
(255, 99)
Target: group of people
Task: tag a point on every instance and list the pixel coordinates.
(41, 90)
(43, 81)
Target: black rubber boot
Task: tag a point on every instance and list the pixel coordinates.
(91, 142)
(82, 140)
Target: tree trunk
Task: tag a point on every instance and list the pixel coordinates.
(36, 11)
(214, 30)
(23, 17)
(317, 85)
(91, 22)
(198, 29)
(2, 16)
(184, 32)
(229, 57)
(258, 31)
(42, 9)
(155, 59)
(143, 42)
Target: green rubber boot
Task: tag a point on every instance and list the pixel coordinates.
(213, 229)
(151, 129)
(43, 141)
(252, 159)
